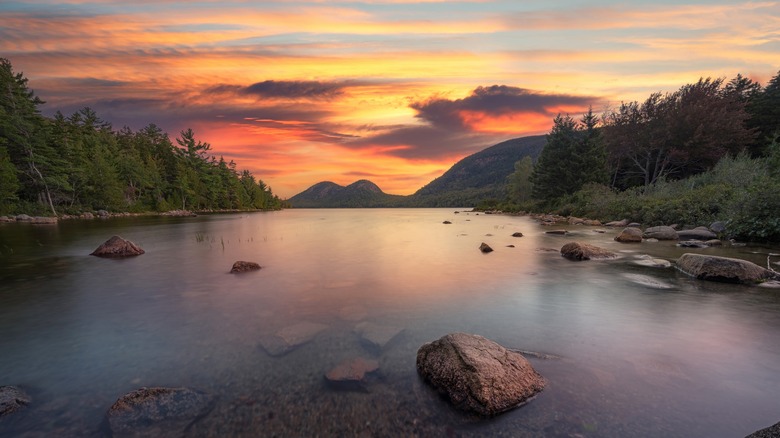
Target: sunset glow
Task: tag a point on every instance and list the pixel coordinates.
(391, 91)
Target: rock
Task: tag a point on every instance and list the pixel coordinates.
(510, 246)
(634, 225)
(647, 281)
(770, 432)
(117, 247)
(630, 235)
(584, 251)
(102, 213)
(158, 412)
(7, 219)
(23, 218)
(376, 337)
(484, 247)
(700, 233)
(558, 232)
(592, 222)
(87, 215)
(651, 240)
(43, 220)
(12, 399)
(351, 374)
(660, 233)
(447, 223)
(723, 269)
(714, 242)
(179, 213)
(241, 266)
(692, 244)
(623, 223)
(477, 374)
(517, 234)
(651, 262)
(353, 313)
(291, 337)
(718, 227)
(575, 220)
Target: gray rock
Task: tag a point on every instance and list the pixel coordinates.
(623, 223)
(43, 220)
(376, 337)
(242, 266)
(477, 374)
(583, 251)
(7, 219)
(660, 233)
(291, 337)
(117, 247)
(718, 227)
(484, 247)
(770, 432)
(87, 215)
(158, 412)
(23, 217)
(634, 225)
(651, 262)
(630, 235)
(102, 213)
(714, 242)
(647, 281)
(723, 269)
(700, 233)
(12, 399)
(692, 244)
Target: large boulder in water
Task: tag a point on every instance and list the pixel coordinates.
(583, 251)
(630, 235)
(661, 233)
(700, 233)
(12, 399)
(723, 269)
(242, 266)
(117, 247)
(477, 374)
(158, 412)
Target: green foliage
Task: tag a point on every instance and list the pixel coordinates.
(78, 163)
(519, 182)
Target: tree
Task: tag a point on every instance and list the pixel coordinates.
(519, 182)
(764, 110)
(9, 183)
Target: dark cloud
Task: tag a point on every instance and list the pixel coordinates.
(284, 89)
(425, 142)
(493, 100)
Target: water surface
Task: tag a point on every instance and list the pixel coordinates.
(677, 358)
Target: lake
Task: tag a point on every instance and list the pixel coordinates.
(641, 351)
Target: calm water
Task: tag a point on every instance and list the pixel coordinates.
(694, 359)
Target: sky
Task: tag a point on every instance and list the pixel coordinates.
(394, 91)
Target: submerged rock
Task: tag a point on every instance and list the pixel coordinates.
(770, 432)
(12, 399)
(647, 281)
(723, 269)
(376, 337)
(477, 374)
(241, 266)
(291, 337)
(556, 232)
(158, 412)
(584, 251)
(484, 247)
(660, 233)
(692, 244)
(700, 233)
(630, 235)
(649, 261)
(117, 247)
(351, 374)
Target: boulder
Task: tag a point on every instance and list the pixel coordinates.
(575, 220)
(660, 233)
(12, 399)
(117, 247)
(692, 244)
(584, 251)
(718, 227)
(714, 242)
(592, 222)
(634, 225)
(43, 220)
(477, 374)
(770, 432)
(376, 337)
(291, 337)
(623, 223)
(723, 269)
(87, 215)
(447, 223)
(649, 261)
(23, 218)
(103, 214)
(630, 235)
(557, 232)
(158, 412)
(7, 219)
(484, 247)
(647, 281)
(351, 374)
(700, 233)
(517, 234)
(242, 266)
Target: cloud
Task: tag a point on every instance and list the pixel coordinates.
(271, 89)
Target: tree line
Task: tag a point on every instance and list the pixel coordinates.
(670, 143)
(70, 164)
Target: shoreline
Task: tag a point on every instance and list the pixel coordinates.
(103, 214)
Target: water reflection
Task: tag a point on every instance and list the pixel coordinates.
(686, 359)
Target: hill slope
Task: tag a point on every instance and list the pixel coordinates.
(327, 194)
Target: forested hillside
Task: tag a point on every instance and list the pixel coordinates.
(75, 163)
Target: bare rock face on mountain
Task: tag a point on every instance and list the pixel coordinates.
(723, 269)
(158, 412)
(477, 374)
(116, 247)
(583, 251)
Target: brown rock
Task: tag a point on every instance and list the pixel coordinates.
(623, 223)
(117, 247)
(477, 374)
(517, 234)
(12, 399)
(592, 222)
(484, 247)
(630, 235)
(158, 412)
(700, 233)
(291, 337)
(241, 266)
(351, 374)
(558, 232)
(660, 233)
(723, 269)
(584, 251)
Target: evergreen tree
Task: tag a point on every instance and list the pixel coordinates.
(553, 175)
(764, 111)
(519, 182)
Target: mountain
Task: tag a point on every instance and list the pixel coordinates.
(360, 194)
(478, 177)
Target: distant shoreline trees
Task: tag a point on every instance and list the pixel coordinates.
(79, 163)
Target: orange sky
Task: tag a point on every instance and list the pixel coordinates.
(391, 91)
